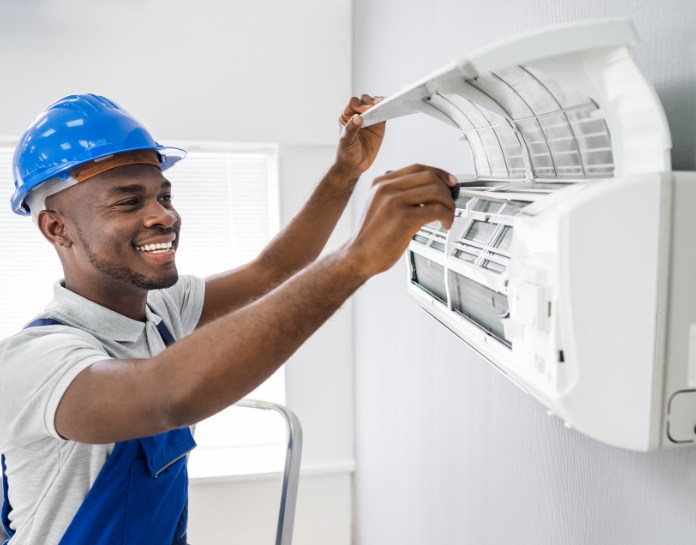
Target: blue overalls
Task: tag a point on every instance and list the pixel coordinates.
(140, 496)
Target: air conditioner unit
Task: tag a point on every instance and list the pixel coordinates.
(571, 264)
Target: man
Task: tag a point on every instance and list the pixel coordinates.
(97, 398)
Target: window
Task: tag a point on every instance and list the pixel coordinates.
(28, 264)
(228, 199)
(227, 195)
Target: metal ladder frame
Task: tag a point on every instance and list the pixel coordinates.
(291, 473)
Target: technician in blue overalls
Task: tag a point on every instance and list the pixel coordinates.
(96, 394)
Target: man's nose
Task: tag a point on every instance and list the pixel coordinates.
(159, 214)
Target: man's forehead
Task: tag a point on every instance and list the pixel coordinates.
(135, 184)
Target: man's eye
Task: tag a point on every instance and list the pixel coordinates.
(167, 198)
(128, 202)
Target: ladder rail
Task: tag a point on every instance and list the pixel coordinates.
(291, 472)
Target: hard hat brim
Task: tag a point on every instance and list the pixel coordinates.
(168, 156)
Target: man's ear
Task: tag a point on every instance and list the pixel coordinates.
(53, 228)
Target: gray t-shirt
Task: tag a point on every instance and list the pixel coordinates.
(48, 476)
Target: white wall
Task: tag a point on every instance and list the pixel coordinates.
(208, 70)
(449, 451)
(263, 71)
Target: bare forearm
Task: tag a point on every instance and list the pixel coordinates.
(221, 362)
(212, 368)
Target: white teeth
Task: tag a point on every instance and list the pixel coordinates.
(159, 248)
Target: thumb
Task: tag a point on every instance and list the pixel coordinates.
(350, 130)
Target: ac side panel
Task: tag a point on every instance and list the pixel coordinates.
(679, 404)
(608, 285)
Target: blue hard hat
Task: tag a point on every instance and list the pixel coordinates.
(73, 131)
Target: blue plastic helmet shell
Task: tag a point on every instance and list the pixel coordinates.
(73, 131)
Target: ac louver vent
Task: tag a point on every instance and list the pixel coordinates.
(486, 241)
(432, 234)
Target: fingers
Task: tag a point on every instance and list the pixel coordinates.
(400, 203)
(417, 174)
(427, 194)
(433, 212)
(449, 179)
(418, 186)
(357, 106)
(432, 206)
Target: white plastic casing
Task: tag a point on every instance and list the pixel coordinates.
(569, 265)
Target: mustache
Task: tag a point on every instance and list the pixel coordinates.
(164, 230)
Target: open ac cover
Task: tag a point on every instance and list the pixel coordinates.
(569, 265)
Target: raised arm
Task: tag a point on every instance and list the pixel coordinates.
(221, 362)
(303, 238)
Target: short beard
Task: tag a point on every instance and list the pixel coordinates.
(126, 275)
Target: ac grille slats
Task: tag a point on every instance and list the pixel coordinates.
(479, 304)
(548, 130)
(430, 276)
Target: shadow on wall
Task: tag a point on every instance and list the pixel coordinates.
(679, 102)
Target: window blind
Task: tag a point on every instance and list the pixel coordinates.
(226, 205)
(28, 264)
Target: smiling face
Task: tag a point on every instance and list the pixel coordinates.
(119, 233)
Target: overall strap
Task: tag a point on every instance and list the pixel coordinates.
(6, 508)
(167, 337)
(164, 332)
(43, 321)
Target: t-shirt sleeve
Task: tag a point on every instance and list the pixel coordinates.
(37, 366)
